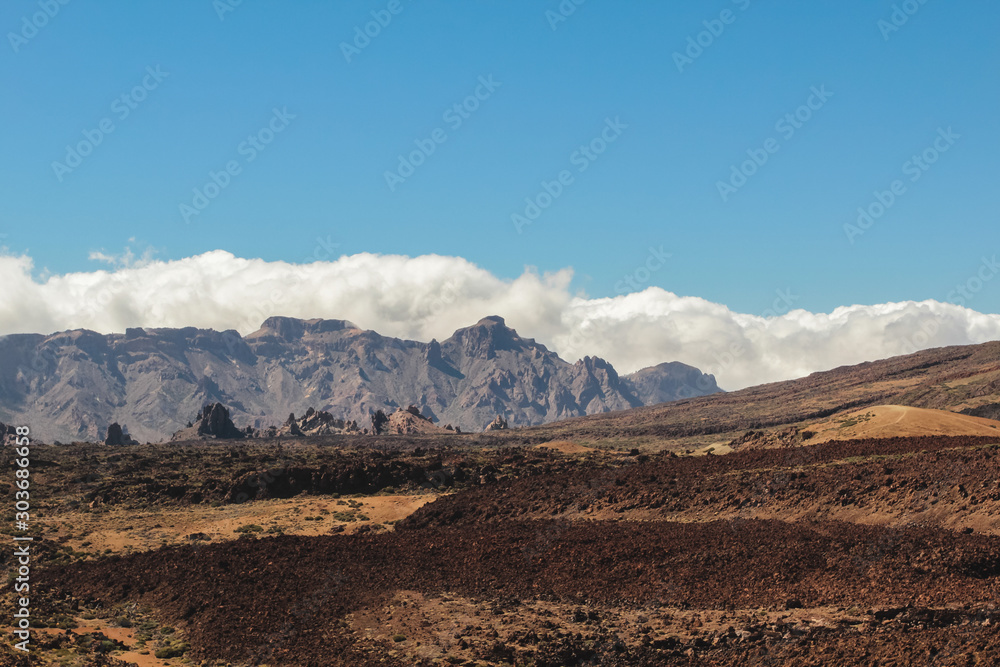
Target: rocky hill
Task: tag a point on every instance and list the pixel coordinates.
(964, 378)
(73, 385)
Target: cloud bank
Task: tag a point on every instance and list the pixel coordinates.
(430, 296)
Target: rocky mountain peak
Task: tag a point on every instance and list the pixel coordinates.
(291, 328)
(671, 381)
(433, 353)
(598, 366)
(486, 337)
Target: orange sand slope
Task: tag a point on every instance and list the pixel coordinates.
(566, 447)
(887, 421)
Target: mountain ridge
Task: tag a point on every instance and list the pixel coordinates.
(71, 385)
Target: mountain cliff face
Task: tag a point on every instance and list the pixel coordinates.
(72, 385)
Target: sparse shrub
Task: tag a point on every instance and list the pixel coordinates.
(172, 651)
(249, 528)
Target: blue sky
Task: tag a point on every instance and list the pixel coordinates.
(654, 186)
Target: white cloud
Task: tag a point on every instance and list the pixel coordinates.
(430, 296)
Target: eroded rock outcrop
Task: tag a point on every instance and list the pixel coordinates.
(118, 436)
(379, 422)
(498, 424)
(212, 423)
(410, 421)
(314, 422)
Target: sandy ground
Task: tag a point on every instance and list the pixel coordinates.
(887, 421)
(566, 447)
(716, 448)
(123, 530)
(125, 636)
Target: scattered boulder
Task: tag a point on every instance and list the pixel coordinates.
(498, 424)
(118, 436)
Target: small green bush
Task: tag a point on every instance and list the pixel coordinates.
(249, 528)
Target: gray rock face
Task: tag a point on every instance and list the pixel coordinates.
(72, 385)
(671, 381)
